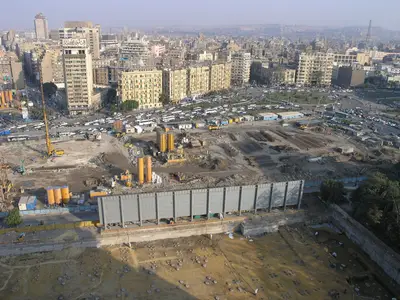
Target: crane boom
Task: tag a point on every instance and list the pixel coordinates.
(50, 149)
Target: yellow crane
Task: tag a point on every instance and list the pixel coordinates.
(51, 151)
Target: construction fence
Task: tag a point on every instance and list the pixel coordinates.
(195, 203)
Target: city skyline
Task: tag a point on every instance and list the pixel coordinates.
(210, 14)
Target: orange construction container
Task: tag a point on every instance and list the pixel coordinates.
(93, 194)
(65, 194)
(140, 164)
(10, 96)
(50, 196)
(171, 141)
(149, 177)
(163, 142)
(3, 100)
(57, 195)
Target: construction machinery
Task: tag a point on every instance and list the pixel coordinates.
(21, 237)
(21, 168)
(51, 151)
(213, 127)
(176, 156)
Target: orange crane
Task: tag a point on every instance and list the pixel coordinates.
(51, 151)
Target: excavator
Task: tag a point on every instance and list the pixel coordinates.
(51, 151)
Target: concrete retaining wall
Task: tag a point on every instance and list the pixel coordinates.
(271, 223)
(378, 251)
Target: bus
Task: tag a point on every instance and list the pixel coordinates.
(16, 138)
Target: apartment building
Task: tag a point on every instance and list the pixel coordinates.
(51, 66)
(175, 84)
(143, 85)
(78, 76)
(88, 31)
(135, 49)
(12, 75)
(344, 59)
(289, 76)
(220, 76)
(241, 63)
(41, 27)
(157, 50)
(315, 69)
(198, 80)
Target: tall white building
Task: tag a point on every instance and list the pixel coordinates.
(315, 69)
(41, 27)
(136, 50)
(78, 76)
(241, 63)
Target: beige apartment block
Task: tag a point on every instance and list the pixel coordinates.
(51, 66)
(364, 59)
(289, 76)
(144, 86)
(78, 76)
(220, 76)
(198, 80)
(344, 59)
(315, 69)
(175, 84)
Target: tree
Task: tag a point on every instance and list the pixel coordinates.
(332, 191)
(14, 218)
(378, 192)
(164, 99)
(49, 89)
(129, 105)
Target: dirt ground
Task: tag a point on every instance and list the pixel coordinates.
(234, 155)
(290, 264)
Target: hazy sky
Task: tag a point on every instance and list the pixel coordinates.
(142, 13)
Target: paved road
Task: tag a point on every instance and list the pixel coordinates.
(63, 218)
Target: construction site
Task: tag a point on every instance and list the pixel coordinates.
(238, 154)
(297, 262)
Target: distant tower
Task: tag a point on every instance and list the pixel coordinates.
(41, 27)
(368, 37)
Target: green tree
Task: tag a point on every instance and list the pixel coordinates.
(129, 105)
(332, 191)
(164, 99)
(377, 193)
(14, 218)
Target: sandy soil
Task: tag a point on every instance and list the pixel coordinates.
(290, 264)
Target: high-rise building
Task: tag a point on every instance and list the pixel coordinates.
(241, 63)
(198, 80)
(143, 85)
(41, 27)
(78, 76)
(315, 69)
(85, 30)
(175, 84)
